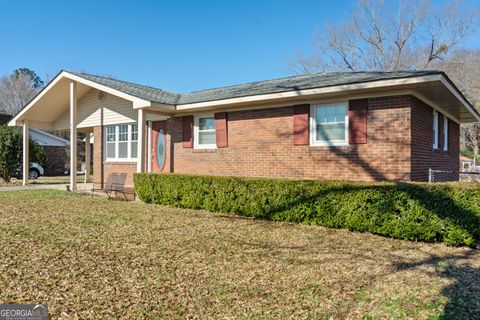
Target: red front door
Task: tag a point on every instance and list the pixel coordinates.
(159, 147)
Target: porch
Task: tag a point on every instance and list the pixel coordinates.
(118, 118)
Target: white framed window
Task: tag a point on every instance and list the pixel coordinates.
(204, 129)
(445, 133)
(329, 124)
(134, 140)
(121, 142)
(435, 129)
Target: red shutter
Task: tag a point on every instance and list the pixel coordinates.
(300, 124)
(357, 121)
(221, 129)
(187, 140)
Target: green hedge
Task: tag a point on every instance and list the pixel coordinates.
(447, 213)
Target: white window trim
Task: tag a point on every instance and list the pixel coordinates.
(129, 144)
(435, 129)
(445, 133)
(196, 145)
(313, 141)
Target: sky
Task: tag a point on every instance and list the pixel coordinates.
(175, 45)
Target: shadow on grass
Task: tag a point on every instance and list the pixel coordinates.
(463, 293)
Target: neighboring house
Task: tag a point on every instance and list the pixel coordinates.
(362, 126)
(54, 148)
(466, 164)
(4, 118)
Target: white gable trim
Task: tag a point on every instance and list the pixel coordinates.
(137, 102)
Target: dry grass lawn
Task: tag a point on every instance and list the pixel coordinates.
(95, 258)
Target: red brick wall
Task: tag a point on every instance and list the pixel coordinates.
(423, 154)
(55, 165)
(260, 144)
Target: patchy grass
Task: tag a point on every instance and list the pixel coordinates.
(57, 180)
(42, 180)
(12, 183)
(94, 258)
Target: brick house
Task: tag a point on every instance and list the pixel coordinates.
(363, 126)
(53, 147)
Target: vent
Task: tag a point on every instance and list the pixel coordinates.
(101, 96)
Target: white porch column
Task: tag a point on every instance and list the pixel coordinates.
(149, 146)
(87, 155)
(26, 153)
(73, 135)
(141, 141)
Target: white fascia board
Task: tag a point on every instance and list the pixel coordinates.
(137, 102)
(467, 105)
(307, 92)
(162, 106)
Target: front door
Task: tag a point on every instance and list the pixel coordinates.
(159, 147)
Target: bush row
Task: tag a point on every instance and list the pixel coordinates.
(447, 213)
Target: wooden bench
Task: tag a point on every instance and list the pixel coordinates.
(116, 184)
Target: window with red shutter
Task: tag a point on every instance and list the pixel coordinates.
(357, 121)
(221, 128)
(300, 124)
(187, 134)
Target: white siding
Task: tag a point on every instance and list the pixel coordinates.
(89, 112)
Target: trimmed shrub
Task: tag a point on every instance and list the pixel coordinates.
(448, 213)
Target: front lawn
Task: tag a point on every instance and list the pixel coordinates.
(94, 258)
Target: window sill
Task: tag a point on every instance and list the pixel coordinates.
(437, 150)
(120, 162)
(205, 150)
(339, 149)
(339, 144)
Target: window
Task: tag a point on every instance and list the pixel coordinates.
(435, 129)
(121, 142)
(445, 133)
(329, 125)
(110, 142)
(134, 140)
(205, 136)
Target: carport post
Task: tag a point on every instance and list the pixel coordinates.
(87, 155)
(73, 135)
(141, 141)
(26, 153)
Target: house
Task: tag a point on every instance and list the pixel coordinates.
(54, 148)
(361, 126)
(4, 117)
(466, 164)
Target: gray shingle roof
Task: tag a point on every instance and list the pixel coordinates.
(309, 81)
(136, 90)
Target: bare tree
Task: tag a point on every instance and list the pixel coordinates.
(385, 36)
(17, 89)
(463, 67)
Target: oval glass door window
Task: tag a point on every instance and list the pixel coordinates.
(161, 149)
